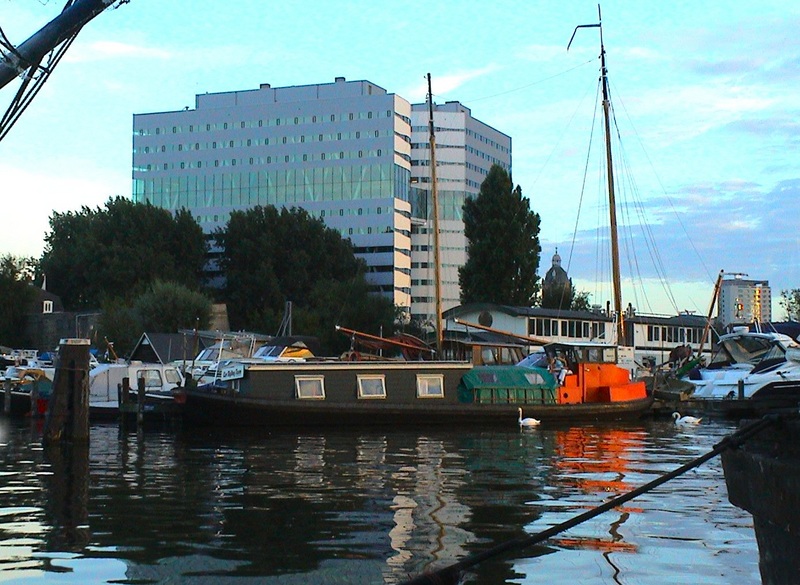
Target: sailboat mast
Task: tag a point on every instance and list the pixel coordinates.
(435, 211)
(612, 202)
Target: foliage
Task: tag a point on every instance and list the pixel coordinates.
(581, 302)
(17, 294)
(503, 244)
(119, 324)
(166, 307)
(790, 301)
(169, 307)
(271, 256)
(119, 251)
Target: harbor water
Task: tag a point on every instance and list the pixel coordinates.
(320, 506)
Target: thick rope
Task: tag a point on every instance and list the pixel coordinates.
(451, 575)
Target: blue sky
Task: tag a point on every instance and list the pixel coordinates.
(705, 98)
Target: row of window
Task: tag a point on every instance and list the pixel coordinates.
(288, 158)
(479, 137)
(492, 160)
(674, 334)
(260, 142)
(572, 328)
(286, 121)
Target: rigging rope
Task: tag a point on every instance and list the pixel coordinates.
(452, 574)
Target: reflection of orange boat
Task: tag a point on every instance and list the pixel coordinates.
(584, 452)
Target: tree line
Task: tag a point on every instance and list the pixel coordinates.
(146, 269)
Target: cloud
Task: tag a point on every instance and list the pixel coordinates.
(444, 84)
(735, 225)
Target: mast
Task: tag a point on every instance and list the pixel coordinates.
(435, 211)
(612, 204)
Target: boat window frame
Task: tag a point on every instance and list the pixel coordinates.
(151, 376)
(299, 381)
(423, 385)
(360, 378)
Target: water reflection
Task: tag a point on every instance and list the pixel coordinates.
(355, 507)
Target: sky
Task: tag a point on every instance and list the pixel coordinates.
(704, 98)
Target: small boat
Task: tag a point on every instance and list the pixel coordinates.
(110, 396)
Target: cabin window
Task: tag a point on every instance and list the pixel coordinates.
(371, 386)
(534, 378)
(430, 386)
(172, 376)
(310, 387)
(152, 378)
(47, 306)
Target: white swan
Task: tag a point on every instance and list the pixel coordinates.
(685, 420)
(527, 422)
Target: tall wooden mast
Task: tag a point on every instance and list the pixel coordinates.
(435, 211)
(612, 203)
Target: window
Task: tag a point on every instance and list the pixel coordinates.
(430, 386)
(242, 126)
(309, 387)
(371, 386)
(47, 307)
(152, 378)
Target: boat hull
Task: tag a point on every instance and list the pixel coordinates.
(267, 396)
(763, 477)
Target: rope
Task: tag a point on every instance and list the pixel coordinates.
(453, 573)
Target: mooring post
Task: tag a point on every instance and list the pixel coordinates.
(7, 400)
(35, 398)
(68, 414)
(140, 405)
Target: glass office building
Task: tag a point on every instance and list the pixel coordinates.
(343, 151)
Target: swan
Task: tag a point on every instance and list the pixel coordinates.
(527, 422)
(685, 420)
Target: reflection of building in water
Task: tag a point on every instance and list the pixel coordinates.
(596, 462)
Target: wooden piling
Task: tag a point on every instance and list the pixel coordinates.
(141, 398)
(68, 414)
(7, 400)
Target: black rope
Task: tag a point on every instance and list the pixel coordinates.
(452, 574)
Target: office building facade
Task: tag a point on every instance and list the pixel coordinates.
(466, 149)
(343, 151)
(743, 301)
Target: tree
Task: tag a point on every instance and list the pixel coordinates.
(790, 301)
(503, 244)
(17, 294)
(119, 251)
(165, 307)
(169, 307)
(581, 301)
(270, 256)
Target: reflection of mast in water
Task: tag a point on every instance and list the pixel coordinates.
(427, 514)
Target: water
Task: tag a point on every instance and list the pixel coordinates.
(367, 506)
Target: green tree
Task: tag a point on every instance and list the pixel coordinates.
(17, 294)
(503, 244)
(790, 301)
(581, 301)
(169, 307)
(165, 307)
(119, 251)
(270, 256)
